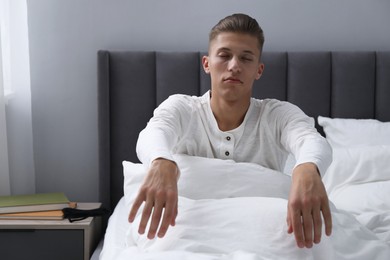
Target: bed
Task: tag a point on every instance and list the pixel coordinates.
(346, 93)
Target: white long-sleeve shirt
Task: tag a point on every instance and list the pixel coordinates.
(271, 129)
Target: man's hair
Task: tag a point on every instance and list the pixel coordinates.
(239, 23)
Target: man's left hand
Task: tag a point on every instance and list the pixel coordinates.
(307, 201)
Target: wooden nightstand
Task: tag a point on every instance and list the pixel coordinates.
(50, 239)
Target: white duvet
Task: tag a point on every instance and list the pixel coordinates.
(231, 210)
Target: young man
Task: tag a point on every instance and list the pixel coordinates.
(227, 123)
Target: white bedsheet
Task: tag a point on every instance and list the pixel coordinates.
(238, 227)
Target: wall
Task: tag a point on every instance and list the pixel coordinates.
(65, 36)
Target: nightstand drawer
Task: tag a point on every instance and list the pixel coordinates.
(42, 244)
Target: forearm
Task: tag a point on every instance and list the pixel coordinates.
(314, 150)
(300, 137)
(153, 144)
(164, 129)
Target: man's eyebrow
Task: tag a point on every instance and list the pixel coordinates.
(249, 52)
(223, 49)
(229, 50)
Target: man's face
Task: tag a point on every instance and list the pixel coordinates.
(233, 64)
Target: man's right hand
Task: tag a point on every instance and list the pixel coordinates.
(158, 191)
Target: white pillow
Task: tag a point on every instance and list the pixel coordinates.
(363, 198)
(134, 174)
(206, 178)
(354, 132)
(357, 165)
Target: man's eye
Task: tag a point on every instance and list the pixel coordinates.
(247, 59)
(223, 55)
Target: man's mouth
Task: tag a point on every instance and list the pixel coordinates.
(232, 80)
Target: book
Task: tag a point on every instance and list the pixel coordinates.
(33, 202)
(41, 215)
(38, 215)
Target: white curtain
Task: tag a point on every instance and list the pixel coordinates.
(5, 187)
(17, 171)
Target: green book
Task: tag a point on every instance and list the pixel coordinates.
(33, 202)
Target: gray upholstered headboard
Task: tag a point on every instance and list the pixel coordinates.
(132, 84)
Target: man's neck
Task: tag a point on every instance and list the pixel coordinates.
(229, 115)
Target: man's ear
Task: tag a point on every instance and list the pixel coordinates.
(260, 71)
(205, 63)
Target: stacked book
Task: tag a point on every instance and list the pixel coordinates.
(45, 206)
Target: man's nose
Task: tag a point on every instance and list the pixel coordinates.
(234, 65)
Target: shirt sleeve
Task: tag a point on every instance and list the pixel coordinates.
(301, 138)
(163, 130)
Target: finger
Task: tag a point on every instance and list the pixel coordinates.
(317, 222)
(307, 220)
(327, 218)
(145, 216)
(173, 219)
(289, 225)
(169, 214)
(134, 209)
(157, 212)
(298, 228)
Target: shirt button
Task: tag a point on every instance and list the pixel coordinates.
(228, 138)
(227, 153)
